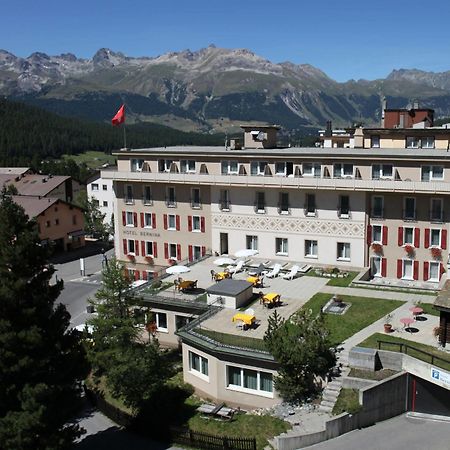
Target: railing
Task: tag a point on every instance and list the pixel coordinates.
(309, 212)
(171, 203)
(196, 204)
(344, 214)
(260, 208)
(284, 208)
(233, 341)
(224, 205)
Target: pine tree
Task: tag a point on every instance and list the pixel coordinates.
(41, 362)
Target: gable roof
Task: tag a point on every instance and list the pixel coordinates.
(33, 184)
(34, 206)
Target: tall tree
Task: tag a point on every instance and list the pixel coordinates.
(94, 224)
(301, 347)
(41, 361)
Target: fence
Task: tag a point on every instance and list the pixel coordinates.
(211, 442)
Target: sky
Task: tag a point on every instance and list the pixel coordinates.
(347, 39)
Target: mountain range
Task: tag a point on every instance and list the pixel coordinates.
(212, 89)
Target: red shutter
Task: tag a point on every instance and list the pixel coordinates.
(178, 222)
(166, 250)
(143, 252)
(125, 247)
(144, 275)
(135, 219)
(142, 220)
(383, 267)
(444, 239)
(400, 236)
(124, 218)
(426, 269)
(165, 221)
(385, 235)
(136, 247)
(427, 238)
(417, 237)
(202, 224)
(189, 223)
(416, 270)
(137, 275)
(179, 252)
(153, 220)
(155, 250)
(190, 253)
(399, 268)
(203, 250)
(369, 234)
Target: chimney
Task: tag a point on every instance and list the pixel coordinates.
(359, 138)
(329, 129)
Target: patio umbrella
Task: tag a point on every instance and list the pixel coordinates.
(222, 261)
(177, 269)
(245, 252)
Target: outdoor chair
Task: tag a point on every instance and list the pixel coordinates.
(213, 275)
(274, 272)
(304, 268)
(291, 275)
(235, 269)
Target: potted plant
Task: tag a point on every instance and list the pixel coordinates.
(409, 249)
(387, 323)
(131, 256)
(338, 300)
(436, 252)
(377, 247)
(149, 259)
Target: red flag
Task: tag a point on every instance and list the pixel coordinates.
(119, 117)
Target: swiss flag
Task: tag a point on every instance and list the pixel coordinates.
(119, 117)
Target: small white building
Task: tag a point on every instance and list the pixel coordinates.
(101, 191)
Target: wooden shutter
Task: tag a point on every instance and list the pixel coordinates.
(427, 238)
(143, 249)
(399, 268)
(190, 253)
(165, 221)
(153, 220)
(417, 237)
(166, 250)
(155, 250)
(384, 236)
(416, 270)
(369, 234)
(444, 239)
(124, 218)
(400, 236)
(137, 275)
(189, 223)
(135, 219)
(383, 267)
(179, 252)
(177, 219)
(202, 224)
(144, 275)
(125, 247)
(142, 220)
(203, 250)
(426, 270)
(136, 247)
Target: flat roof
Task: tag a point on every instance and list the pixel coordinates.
(229, 287)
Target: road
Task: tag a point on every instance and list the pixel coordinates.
(399, 433)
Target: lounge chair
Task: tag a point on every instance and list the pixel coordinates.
(274, 272)
(304, 268)
(235, 269)
(291, 275)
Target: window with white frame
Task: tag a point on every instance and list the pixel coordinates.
(343, 251)
(430, 173)
(94, 187)
(129, 198)
(251, 242)
(412, 142)
(281, 246)
(164, 165)
(187, 166)
(171, 222)
(310, 204)
(436, 209)
(196, 252)
(148, 223)
(224, 200)
(136, 165)
(129, 219)
(196, 223)
(181, 321)
(283, 204)
(377, 206)
(375, 141)
(173, 251)
(382, 171)
(435, 237)
(131, 245)
(409, 211)
(311, 169)
(377, 233)
(161, 321)
(408, 235)
(147, 195)
(434, 269)
(258, 167)
(341, 170)
(149, 245)
(171, 200)
(284, 168)
(311, 249)
(427, 142)
(229, 167)
(260, 204)
(195, 198)
(253, 381)
(198, 364)
(408, 269)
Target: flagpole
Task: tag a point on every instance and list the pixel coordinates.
(124, 136)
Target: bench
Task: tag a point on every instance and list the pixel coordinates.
(220, 411)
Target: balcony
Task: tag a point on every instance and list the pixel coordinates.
(224, 205)
(196, 203)
(284, 208)
(171, 202)
(344, 213)
(260, 208)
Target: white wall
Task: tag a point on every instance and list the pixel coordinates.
(102, 196)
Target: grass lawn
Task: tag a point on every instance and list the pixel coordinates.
(428, 309)
(92, 159)
(377, 375)
(343, 282)
(348, 401)
(371, 342)
(155, 288)
(362, 312)
(402, 290)
(231, 339)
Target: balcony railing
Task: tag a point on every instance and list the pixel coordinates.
(224, 205)
(147, 201)
(344, 213)
(310, 211)
(260, 208)
(171, 203)
(284, 208)
(196, 203)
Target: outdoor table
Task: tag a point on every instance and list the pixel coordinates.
(186, 284)
(271, 298)
(416, 310)
(247, 319)
(222, 275)
(254, 280)
(406, 321)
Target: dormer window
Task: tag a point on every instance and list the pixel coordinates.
(229, 167)
(136, 165)
(258, 167)
(187, 166)
(311, 170)
(432, 173)
(382, 171)
(284, 169)
(342, 170)
(164, 165)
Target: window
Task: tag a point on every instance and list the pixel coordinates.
(375, 141)
(195, 198)
(434, 268)
(251, 242)
(412, 142)
(104, 187)
(435, 237)
(409, 212)
(258, 167)
(147, 195)
(427, 142)
(283, 205)
(344, 206)
(310, 206)
(129, 198)
(136, 165)
(56, 221)
(382, 171)
(260, 204)
(74, 220)
(408, 269)
(105, 203)
(342, 170)
(436, 210)
(161, 321)
(187, 166)
(148, 223)
(164, 165)
(224, 200)
(375, 266)
(281, 246)
(173, 251)
(129, 219)
(343, 251)
(249, 380)
(196, 252)
(171, 222)
(408, 235)
(149, 248)
(171, 198)
(284, 169)
(432, 173)
(377, 206)
(311, 169)
(229, 167)
(377, 233)
(94, 186)
(181, 321)
(311, 249)
(196, 223)
(131, 246)
(198, 364)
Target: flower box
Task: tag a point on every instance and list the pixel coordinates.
(409, 249)
(436, 252)
(377, 248)
(131, 256)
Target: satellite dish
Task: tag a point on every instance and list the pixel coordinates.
(260, 136)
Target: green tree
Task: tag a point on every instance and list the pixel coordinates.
(94, 224)
(301, 347)
(41, 361)
(131, 362)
